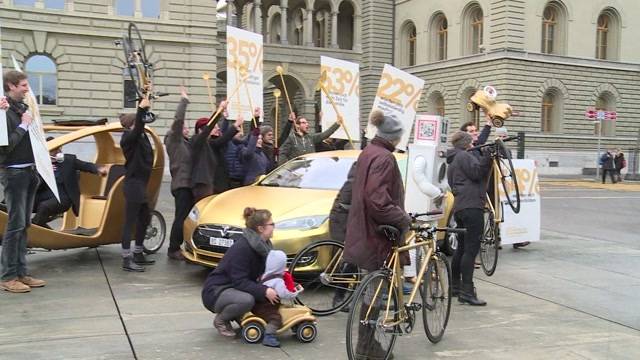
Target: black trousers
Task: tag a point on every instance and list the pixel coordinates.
(183, 203)
(137, 213)
(462, 264)
(612, 173)
(48, 207)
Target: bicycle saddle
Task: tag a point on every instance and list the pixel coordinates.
(391, 232)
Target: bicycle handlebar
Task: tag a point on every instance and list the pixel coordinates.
(433, 229)
(428, 213)
(508, 138)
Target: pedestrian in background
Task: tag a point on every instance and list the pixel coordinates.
(620, 163)
(608, 166)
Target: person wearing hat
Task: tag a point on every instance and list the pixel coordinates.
(467, 175)
(209, 172)
(268, 136)
(377, 198)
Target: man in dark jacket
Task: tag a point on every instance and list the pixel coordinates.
(180, 166)
(138, 155)
(608, 166)
(377, 199)
(467, 175)
(20, 180)
(301, 142)
(65, 169)
(209, 174)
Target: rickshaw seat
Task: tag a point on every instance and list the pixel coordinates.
(115, 172)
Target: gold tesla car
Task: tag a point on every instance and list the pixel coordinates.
(299, 194)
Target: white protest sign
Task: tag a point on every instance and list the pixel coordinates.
(38, 142)
(4, 137)
(398, 93)
(342, 83)
(524, 226)
(244, 58)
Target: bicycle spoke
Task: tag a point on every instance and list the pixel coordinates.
(436, 298)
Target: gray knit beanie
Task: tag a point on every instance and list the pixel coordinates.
(389, 126)
(461, 139)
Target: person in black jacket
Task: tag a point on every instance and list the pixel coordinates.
(233, 288)
(467, 175)
(138, 155)
(65, 169)
(19, 180)
(209, 175)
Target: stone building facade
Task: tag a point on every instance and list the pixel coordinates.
(550, 60)
(67, 48)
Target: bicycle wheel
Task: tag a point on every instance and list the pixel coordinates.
(450, 242)
(436, 297)
(374, 306)
(489, 244)
(156, 233)
(137, 44)
(328, 281)
(508, 174)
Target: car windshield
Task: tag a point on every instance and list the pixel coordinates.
(326, 173)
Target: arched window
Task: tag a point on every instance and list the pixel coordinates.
(320, 28)
(413, 35)
(345, 25)
(606, 102)
(439, 30)
(473, 18)
(436, 104)
(551, 112)
(467, 115)
(274, 29)
(42, 78)
(554, 18)
(297, 28)
(607, 35)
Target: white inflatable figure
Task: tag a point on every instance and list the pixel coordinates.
(420, 178)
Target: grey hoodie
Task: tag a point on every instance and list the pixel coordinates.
(276, 265)
(467, 176)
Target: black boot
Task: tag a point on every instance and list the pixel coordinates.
(129, 265)
(455, 287)
(468, 295)
(140, 259)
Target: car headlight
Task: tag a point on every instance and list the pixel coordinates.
(194, 214)
(302, 223)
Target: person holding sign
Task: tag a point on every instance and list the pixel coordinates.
(467, 176)
(20, 181)
(301, 142)
(138, 155)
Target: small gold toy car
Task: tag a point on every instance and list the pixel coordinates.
(297, 318)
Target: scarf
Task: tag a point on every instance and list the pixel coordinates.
(255, 241)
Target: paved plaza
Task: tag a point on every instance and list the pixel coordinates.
(575, 295)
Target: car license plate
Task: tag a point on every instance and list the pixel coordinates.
(216, 241)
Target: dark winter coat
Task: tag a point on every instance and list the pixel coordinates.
(340, 209)
(607, 161)
(68, 175)
(468, 175)
(137, 150)
(208, 163)
(19, 150)
(179, 150)
(241, 267)
(255, 161)
(269, 149)
(620, 161)
(377, 199)
(233, 158)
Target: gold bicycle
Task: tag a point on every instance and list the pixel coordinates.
(379, 312)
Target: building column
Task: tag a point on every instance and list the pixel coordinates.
(230, 6)
(357, 32)
(334, 29)
(257, 16)
(137, 9)
(284, 32)
(308, 27)
(39, 4)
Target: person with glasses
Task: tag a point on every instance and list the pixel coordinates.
(233, 288)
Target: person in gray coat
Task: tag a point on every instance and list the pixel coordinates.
(179, 150)
(301, 142)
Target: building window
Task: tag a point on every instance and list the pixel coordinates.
(298, 27)
(24, 2)
(320, 28)
(412, 45)
(42, 78)
(551, 113)
(607, 35)
(151, 9)
(407, 44)
(436, 104)
(54, 4)
(443, 27)
(125, 7)
(274, 29)
(346, 25)
(129, 93)
(554, 17)
(473, 29)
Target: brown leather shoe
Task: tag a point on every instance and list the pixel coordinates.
(32, 282)
(175, 255)
(14, 286)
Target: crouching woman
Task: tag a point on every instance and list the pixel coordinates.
(232, 289)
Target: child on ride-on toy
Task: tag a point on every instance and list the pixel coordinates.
(276, 277)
